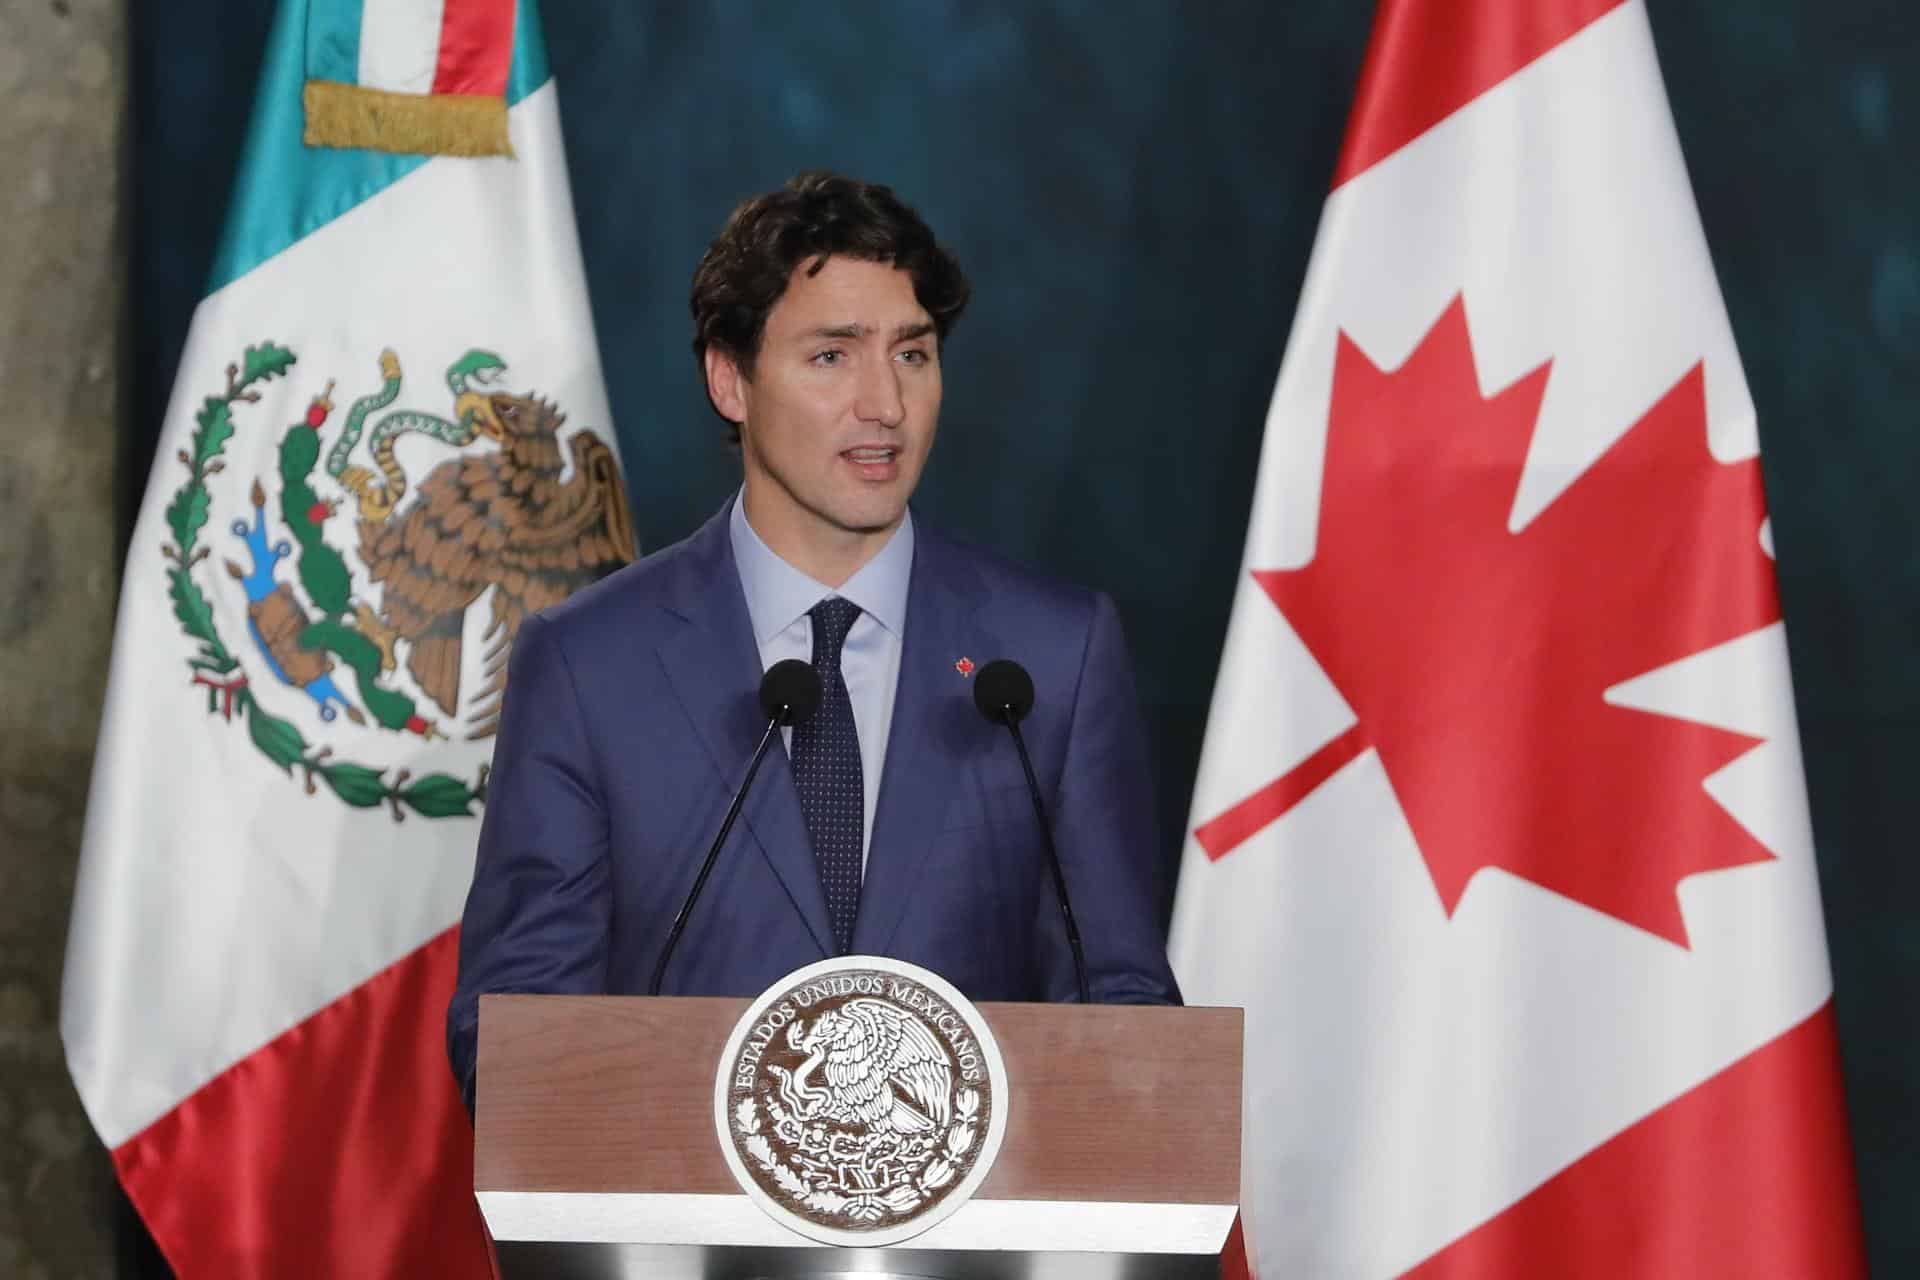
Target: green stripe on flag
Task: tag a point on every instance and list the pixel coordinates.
(286, 190)
(530, 69)
(333, 40)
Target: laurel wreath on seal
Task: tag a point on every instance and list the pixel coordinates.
(434, 795)
(817, 1179)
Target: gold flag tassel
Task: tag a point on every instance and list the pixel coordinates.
(428, 124)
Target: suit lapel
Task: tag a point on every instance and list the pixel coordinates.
(713, 665)
(933, 706)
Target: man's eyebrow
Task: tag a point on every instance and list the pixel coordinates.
(905, 333)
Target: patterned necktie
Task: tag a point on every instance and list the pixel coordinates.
(826, 769)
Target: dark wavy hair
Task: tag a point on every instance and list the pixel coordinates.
(813, 217)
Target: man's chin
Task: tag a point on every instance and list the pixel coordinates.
(874, 526)
(869, 518)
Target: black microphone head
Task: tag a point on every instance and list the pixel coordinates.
(789, 691)
(1003, 691)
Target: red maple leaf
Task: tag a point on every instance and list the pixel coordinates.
(1476, 659)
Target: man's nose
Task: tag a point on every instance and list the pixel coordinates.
(879, 397)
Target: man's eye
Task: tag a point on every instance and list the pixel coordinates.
(915, 355)
(829, 357)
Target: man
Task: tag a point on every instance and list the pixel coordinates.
(898, 821)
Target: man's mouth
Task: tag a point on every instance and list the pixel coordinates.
(873, 462)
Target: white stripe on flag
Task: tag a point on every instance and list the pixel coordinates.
(400, 44)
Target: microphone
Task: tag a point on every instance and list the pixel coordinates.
(789, 693)
(1004, 693)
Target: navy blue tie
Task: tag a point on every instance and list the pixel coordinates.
(826, 769)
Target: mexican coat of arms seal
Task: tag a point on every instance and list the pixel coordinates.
(861, 1100)
(336, 631)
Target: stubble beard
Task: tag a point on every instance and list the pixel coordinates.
(826, 516)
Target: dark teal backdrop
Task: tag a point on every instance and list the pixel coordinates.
(1133, 186)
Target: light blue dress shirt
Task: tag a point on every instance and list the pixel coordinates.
(778, 597)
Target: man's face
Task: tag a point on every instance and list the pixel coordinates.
(839, 413)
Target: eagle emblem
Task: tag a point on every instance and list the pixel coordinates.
(884, 1071)
(356, 584)
(861, 1100)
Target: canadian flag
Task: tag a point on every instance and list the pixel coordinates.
(1500, 834)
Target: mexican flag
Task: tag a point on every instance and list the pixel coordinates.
(388, 441)
(1500, 833)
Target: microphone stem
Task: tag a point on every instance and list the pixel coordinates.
(713, 854)
(1053, 861)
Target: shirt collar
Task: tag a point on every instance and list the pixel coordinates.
(778, 594)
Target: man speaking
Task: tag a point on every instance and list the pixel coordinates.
(898, 820)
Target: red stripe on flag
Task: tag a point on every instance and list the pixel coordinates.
(1222, 835)
(1748, 1174)
(476, 47)
(1428, 58)
(1233, 1258)
(338, 1149)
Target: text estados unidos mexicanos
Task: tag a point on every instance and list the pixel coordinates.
(966, 1053)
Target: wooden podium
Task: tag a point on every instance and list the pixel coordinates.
(596, 1153)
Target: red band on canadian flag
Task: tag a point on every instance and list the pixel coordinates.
(1429, 58)
(1715, 1183)
(476, 47)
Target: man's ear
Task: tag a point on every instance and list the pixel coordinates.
(726, 386)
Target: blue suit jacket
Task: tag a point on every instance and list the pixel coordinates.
(631, 713)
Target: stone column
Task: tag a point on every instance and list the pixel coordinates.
(62, 96)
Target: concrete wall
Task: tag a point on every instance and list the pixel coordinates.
(62, 95)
